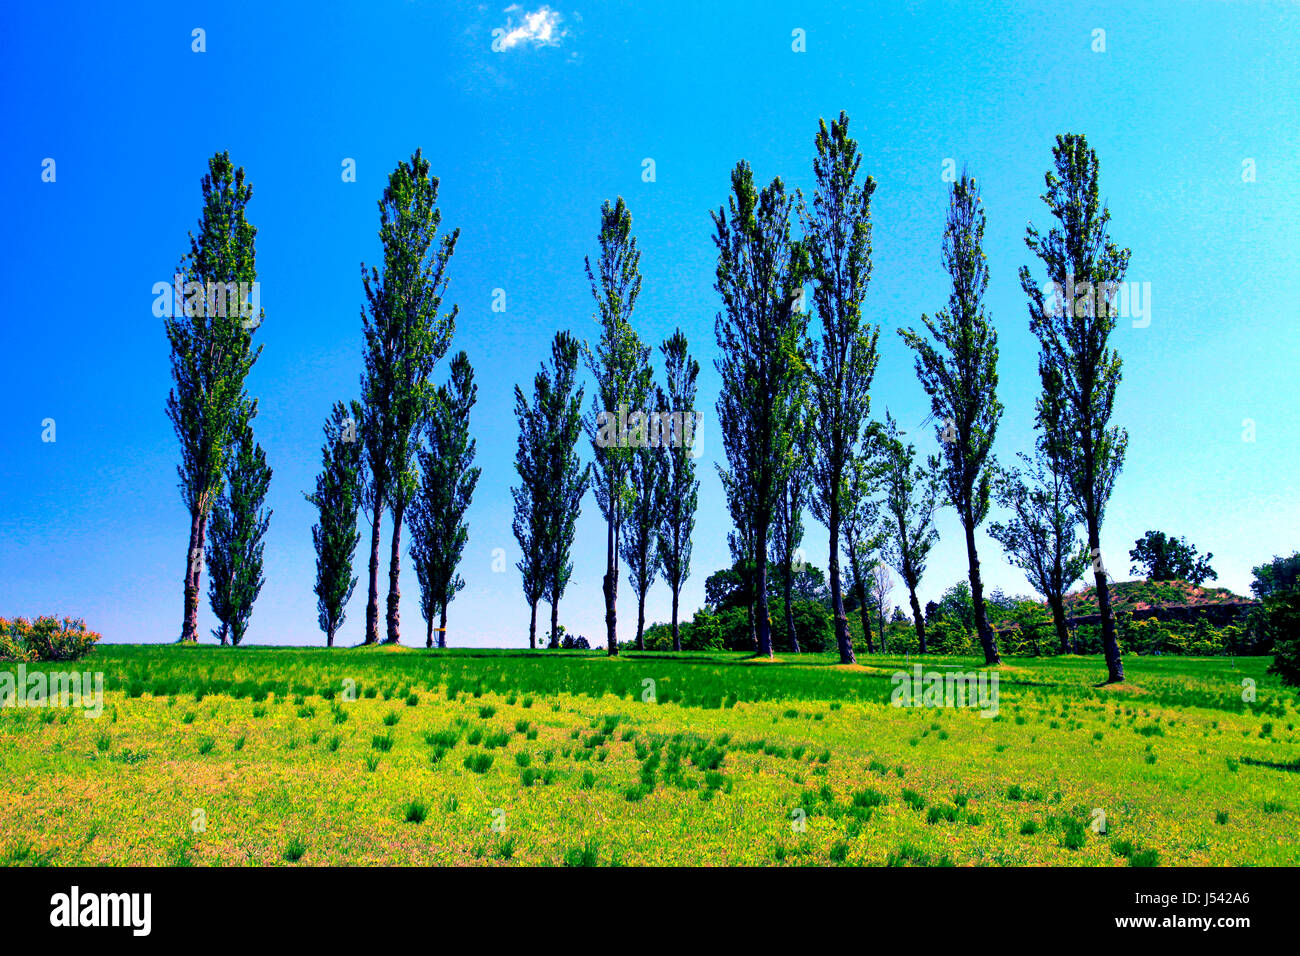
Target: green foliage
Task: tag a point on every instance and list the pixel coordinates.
(620, 363)
(338, 500)
(1282, 623)
(911, 499)
(552, 480)
(211, 354)
(1080, 371)
(837, 237)
(447, 482)
(681, 487)
(406, 335)
(1162, 557)
(1276, 577)
(760, 335)
(235, 542)
(959, 372)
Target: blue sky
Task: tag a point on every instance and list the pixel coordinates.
(528, 141)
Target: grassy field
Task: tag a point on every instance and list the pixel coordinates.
(217, 756)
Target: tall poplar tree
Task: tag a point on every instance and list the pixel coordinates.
(647, 478)
(621, 366)
(1080, 370)
(338, 500)
(559, 405)
(681, 494)
(211, 355)
(760, 275)
(959, 372)
(406, 335)
(837, 234)
(234, 550)
(791, 498)
(1039, 535)
(530, 496)
(911, 499)
(447, 481)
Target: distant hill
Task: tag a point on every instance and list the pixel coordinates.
(1165, 600)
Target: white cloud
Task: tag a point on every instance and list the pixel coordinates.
(540, 28)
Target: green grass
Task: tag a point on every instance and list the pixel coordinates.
(268, 744)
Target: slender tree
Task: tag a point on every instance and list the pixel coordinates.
(559, 405)
(760, 275)
(738, 488)
(681, 497)
(1039, 534)
(530, 498)
(211, 354)
(406, 335)
(234, 551)
(838, 238)
(882, 585)
(647, 481)
(959, 372)
(1079, 369)
(447, 481)
(860, 523)
(911, 499)
(338, 500)
(621, 366)
(791, 498)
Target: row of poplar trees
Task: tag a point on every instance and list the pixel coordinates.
(644, 479)
(795, 408)
(403, 449)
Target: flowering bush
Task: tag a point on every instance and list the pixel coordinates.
(45, 639)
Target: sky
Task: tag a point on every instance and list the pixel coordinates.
(1191, 106)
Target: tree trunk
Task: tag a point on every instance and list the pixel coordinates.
(842, 639)
(918, 617)
(329, 637)
(442, 624)
(677, 636)
(860, 589)
(193, 570)
(1110, 646)
(532, 628)
(224, 634)
(372, 597)
(555, 623)
(761, 611)
(610, 584)
(1058, 619)
(640, 621)
(991, 656)
(789, 610)
(428, 631)
(394, 570)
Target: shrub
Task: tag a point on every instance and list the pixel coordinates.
(45, 639)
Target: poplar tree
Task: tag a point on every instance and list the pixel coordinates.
(529, 524)
(620, 364)
(211, 355)
(860, 524)
(959, 372)
(1080, 371)
(558, 405)
(406, 335)
(681, 493)
(338, 500)
(837, 234)
(791, 498)
(234, 551)
(760, 275)
(447, 481)
(911, 499)
(1039, 535)
(647, 478)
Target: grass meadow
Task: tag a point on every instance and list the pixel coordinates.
(277, 756)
